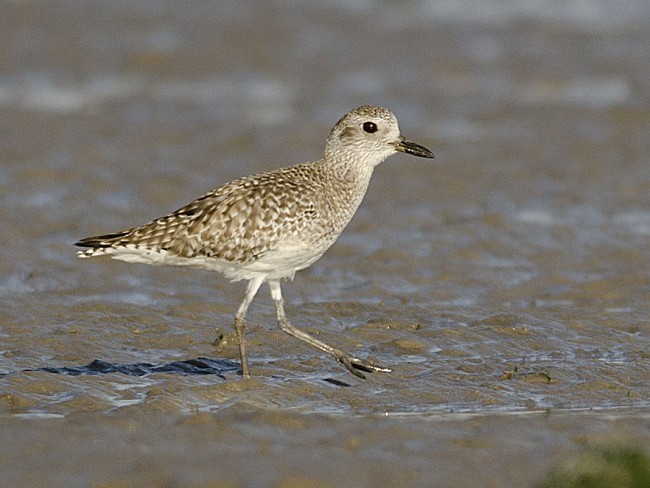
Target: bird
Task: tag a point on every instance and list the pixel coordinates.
(265, 227)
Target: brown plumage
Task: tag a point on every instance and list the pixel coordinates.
(267, 226)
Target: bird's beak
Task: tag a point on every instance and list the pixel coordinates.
(410, 147)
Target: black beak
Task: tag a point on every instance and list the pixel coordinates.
(410, 147)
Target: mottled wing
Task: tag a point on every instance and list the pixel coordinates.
(237, 222)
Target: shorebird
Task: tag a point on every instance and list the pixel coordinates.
(265, 227)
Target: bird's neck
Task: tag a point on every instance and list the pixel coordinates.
(354, 169)
(349, 180)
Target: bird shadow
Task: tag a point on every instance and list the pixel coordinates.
(198, 366)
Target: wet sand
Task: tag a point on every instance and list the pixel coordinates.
(506, 282)
(240, 447)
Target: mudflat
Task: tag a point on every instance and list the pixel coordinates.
(506, 281)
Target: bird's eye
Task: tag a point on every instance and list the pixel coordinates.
(370, 127)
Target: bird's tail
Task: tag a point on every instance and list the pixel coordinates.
(99, 245)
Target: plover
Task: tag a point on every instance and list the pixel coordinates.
(265, 227)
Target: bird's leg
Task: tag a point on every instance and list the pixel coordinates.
(353, 365)
(253, 286)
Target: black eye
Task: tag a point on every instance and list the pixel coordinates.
(370, 127)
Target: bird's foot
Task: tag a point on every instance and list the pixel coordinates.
(356, 365)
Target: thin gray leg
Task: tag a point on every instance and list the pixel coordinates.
(240, 324)
(353, 365)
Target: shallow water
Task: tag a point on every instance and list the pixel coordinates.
(505, 279)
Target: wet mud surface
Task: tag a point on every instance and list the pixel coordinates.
(506, 282)
(236, 447)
